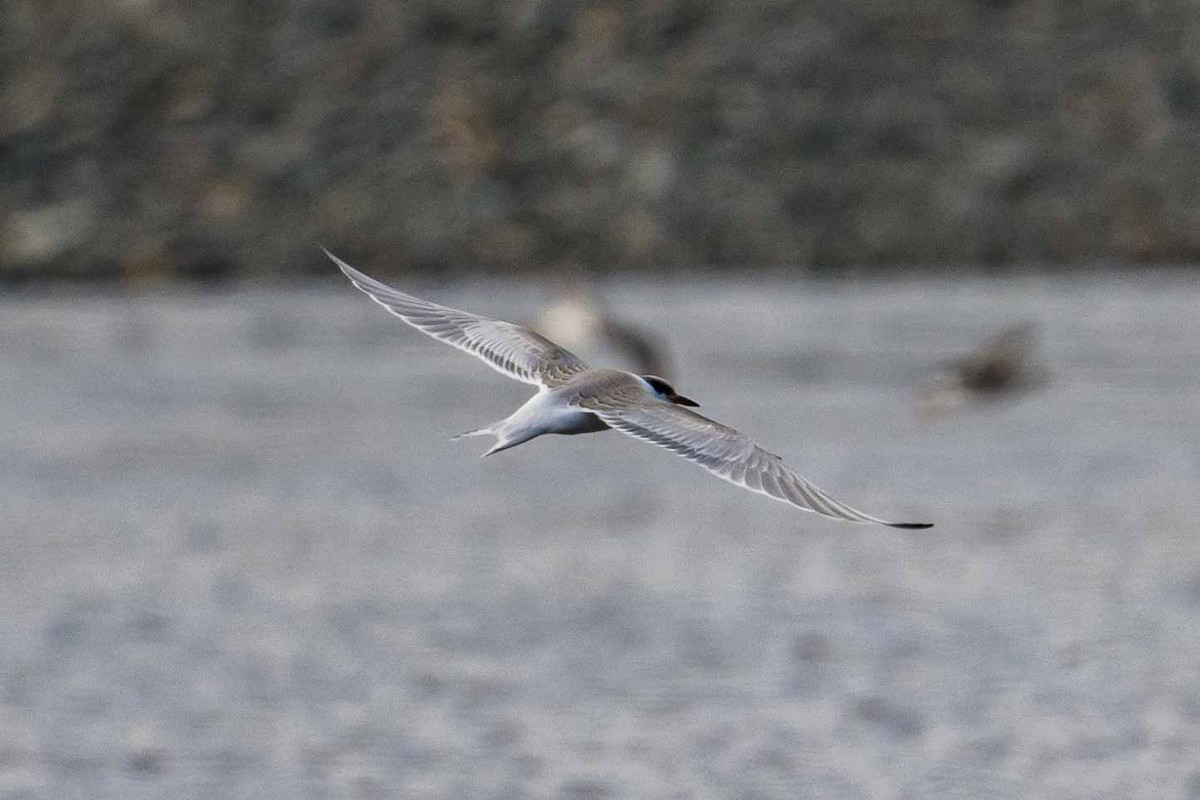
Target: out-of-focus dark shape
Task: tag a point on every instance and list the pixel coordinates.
(581, 320)
(1001, 368)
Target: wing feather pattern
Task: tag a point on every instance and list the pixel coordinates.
(723, 451)
(511, 349)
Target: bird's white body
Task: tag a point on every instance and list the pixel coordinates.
(548, 411)
(574, 398)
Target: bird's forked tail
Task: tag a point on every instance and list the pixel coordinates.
(486, 430)
(504, 437)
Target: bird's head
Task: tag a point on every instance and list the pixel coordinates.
(667, 392)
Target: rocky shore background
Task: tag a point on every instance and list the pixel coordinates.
(143, 140)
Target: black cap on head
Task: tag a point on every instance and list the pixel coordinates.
(668, 391)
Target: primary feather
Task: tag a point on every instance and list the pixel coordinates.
(727, 453)
(516, 351)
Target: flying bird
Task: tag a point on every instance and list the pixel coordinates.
(575, 398)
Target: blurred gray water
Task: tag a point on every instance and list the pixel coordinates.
(240, 558)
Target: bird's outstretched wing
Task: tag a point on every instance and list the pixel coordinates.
(511, 349)
(721, 450)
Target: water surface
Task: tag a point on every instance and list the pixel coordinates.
(241, 558)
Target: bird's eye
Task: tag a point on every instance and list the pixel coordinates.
(659, 385)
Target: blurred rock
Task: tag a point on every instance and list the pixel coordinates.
(146, 262)
(192, 94)
(476, 134)
(40, 235)
(29, 98)
(460, 129)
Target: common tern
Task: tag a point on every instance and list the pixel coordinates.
(575, 398)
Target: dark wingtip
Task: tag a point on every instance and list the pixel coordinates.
(910, 526)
